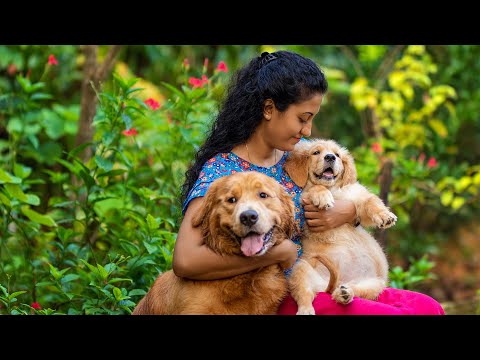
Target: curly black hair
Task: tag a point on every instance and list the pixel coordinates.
(283, 76)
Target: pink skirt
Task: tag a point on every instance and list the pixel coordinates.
(390, 302)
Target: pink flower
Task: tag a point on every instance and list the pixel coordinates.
(376, 147)
(222, 67)
(131, 132)
(154, 105)
(36, 306)
(52, 60)
(205, 64)
(432, 162)
(204, 79)
(186, 63)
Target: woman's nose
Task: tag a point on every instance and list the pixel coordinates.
(306, 129)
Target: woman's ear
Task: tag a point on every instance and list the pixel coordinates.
(268, 107)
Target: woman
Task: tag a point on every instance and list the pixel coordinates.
(269, 107)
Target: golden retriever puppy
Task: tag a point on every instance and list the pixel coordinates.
(245, 214)
(326, 172)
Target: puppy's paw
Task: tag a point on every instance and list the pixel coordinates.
(343, 295)
(384, 219)
(323, 200)
(306, 310)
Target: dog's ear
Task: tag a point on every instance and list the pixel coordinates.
(296, 166)
(288, 216)
(202, 217)
(349, 169)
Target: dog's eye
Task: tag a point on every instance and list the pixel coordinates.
(337, 155)
(263, 195)
(232, 200)
(316, 152)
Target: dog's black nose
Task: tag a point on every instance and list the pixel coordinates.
(249, 217)
(330, 158)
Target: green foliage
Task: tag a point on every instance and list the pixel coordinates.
(419, 271)
(90, 237)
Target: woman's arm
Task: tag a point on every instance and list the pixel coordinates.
(318, 220)
(192, 259)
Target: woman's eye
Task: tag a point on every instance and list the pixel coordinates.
(303, 121)
(316, 152)
(263, 195)
(232, 200)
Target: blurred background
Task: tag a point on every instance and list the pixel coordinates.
(95, 141)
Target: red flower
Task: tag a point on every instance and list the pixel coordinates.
(154, 105)
(131, 132)
(36, 306)
(52, 60)
(376, 147)
(432, 162)
(198, 82)
(222, 67)
(205, 64)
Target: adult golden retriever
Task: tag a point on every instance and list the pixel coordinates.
(326, 172)
(245, 213)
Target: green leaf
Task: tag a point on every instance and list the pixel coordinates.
(5, 200)
(137, 292)
(21, 171)
(117, 293)
(33, 200)
(40, 96)
(103, 273)
(132, 90)
(446, 198)
(173, 89)
(127, 120)
(152, 223)
(457, 202)
(16, 293)
(104, 164)
(115, 280)
(16, 192)
(7, 178)
(112, 173)
(70, 277)
(37, 217)
(463, 183)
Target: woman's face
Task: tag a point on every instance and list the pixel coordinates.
(285, 129)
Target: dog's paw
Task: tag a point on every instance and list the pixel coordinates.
(323, 200)
(343, 295)
(306, 310)
(385, 219)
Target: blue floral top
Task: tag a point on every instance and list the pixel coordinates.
(228, 163)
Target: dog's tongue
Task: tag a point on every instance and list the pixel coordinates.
(252, 244)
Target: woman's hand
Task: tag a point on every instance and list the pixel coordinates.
(286, 252)
(319, 220)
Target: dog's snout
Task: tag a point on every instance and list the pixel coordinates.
(329, 158)
(249, 217)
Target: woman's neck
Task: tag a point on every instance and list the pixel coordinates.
(256, 151)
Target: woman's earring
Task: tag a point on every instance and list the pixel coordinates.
(267, 117)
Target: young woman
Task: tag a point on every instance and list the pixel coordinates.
(269, 107)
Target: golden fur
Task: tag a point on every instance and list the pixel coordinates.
(236, 207)
(327, 172)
